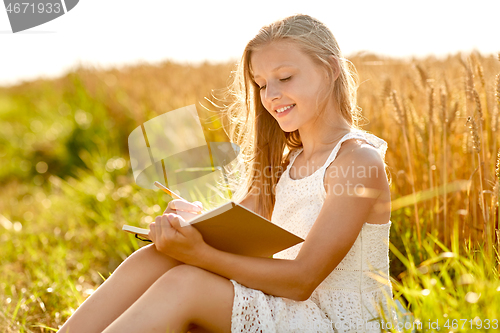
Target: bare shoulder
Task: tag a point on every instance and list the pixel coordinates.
(360, 170)
(356, 153)
(358, 148)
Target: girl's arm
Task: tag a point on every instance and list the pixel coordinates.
(329, 240)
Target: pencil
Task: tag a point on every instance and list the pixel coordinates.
(169, 192)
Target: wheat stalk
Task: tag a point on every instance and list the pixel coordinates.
(386, 90)
(477, 147)
(479, 129)
(417, 121)
(398, 112)
(495, 204)
(401, 117)
(466, 144)
(444, 117)
(479, 108)
(480, 73)
(453, 114)
(497, 94)
(422, 74)
(469, 79)
(494, 118)
(435, 215)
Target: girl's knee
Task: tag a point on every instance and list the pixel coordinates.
(148, 258)
(144, 252)
(183, 274)
(190, 280)
(185, 279)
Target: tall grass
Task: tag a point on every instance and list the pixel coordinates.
(67, 187)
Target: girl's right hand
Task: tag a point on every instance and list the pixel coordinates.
(188, 210)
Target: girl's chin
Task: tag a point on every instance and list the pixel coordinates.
(286, 125)
(287, 128)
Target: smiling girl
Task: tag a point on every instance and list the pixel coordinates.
(294, 113)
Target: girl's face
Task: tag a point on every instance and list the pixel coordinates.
(290, 83)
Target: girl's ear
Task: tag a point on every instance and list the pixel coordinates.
(335, 67)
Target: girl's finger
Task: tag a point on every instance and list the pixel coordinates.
(184, 206)
(152, 234)
(177, 223)
(174, 221)
(160, 228)
(186, 215)
(166, 227)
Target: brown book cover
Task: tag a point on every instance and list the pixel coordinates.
(236, 229)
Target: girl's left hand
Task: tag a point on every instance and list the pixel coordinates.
(183, 243)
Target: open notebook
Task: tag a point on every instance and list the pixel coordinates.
(236, 229)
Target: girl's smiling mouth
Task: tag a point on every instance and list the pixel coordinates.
(284, 110)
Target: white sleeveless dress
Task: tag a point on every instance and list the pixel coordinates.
(347, 299)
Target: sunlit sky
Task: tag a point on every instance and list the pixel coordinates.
(112, 33)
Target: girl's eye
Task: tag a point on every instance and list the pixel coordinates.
(282, 80)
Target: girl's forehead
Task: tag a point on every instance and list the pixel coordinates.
(274, 56)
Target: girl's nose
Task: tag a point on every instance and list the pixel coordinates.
(272, 92)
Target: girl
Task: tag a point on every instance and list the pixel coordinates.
(295, 108)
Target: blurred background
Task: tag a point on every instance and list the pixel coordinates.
(117, 33)
(73, 89)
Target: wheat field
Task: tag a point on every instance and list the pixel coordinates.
(67, 187)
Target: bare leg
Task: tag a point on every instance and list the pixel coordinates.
(184, 298)
(129, 281)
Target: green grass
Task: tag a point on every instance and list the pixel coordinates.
(460, 290)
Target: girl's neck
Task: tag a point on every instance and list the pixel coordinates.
(323, 135)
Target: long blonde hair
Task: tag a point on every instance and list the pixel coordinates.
(263, 144)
